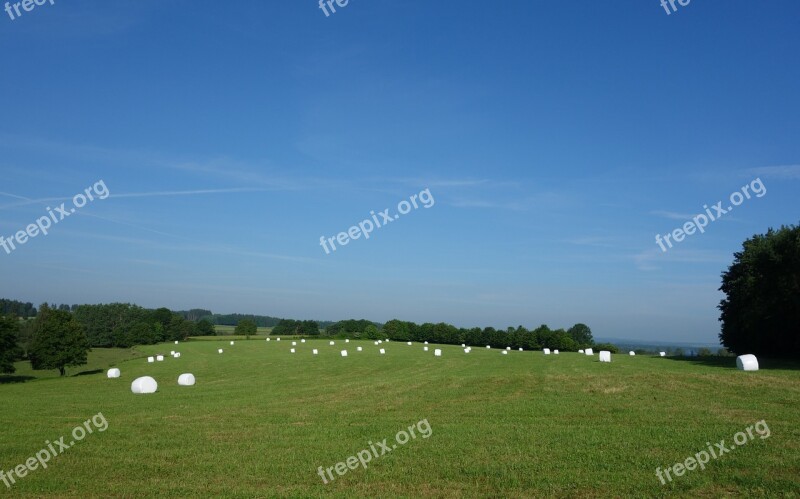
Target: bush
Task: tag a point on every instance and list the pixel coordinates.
(605, 346)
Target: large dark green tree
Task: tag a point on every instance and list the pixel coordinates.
(59, 341)
(761, 311)
(9, 352)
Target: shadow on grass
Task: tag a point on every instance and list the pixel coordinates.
(15, 379)
(730, 362)
(93, 371)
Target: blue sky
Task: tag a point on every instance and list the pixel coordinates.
(557, 139)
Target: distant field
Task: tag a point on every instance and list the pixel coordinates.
(226, 330)
(261, 420)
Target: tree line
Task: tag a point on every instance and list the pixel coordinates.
(18, 308)
(577, 337)
(197, 314)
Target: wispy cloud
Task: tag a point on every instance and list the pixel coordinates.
(650, 259)
(541, 201)
(194, 247)
(593, 241)
(782, 172)
(186, 193)
(195, 192)
(672, 215)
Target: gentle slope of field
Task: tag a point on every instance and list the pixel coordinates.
(261, 420)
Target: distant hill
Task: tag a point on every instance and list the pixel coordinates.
(688, 348)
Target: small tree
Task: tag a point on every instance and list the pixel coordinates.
(309, 328)
(581, 334)
(606, 346)
(371, 332)
(59, 341)
(9, 352)
(205, 328)
(246, 327)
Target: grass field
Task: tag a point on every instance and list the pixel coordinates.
(228, 330)
(260, 421)
(99, 360)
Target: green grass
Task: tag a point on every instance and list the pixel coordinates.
(99, 359)
(261, 420)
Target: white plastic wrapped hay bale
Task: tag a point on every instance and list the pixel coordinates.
(424, 349)
(220, 350)
(662, 354)
(303, 340)
(463, 345)
(151, 359)
(383, 351)
(359, 349)
(605, 356)
(113, 373)
(520, 349)
(508, 348)
(555, 352)
(747, 362)
(488, 346)
(437, 352)
(277, 339)
(347, 340)
(145, 384)
(294, 343)
(631, 353)
(172, 352)
(291, 350)
(467, 350)
(344, 353)
(589, 351)
(546, 351)
(408, 343)
(315, 351)
(377, 343)
(231, 343)
(580, 351)
(186, 379)
(331, 343)
(177, 355)
(159, 358)
(176, 342)
(505, 352)
(426, 342)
